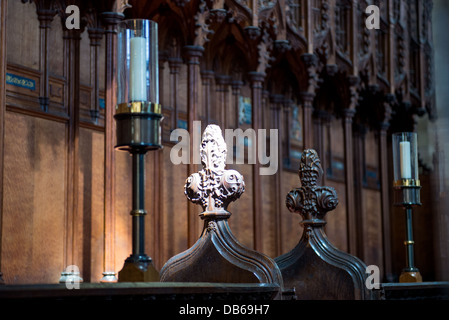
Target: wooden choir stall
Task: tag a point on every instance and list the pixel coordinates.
(245, 155)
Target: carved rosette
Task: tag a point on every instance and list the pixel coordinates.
(214, 187)
(310, 200)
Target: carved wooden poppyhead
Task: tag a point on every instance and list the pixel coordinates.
(214, 187)
(310, 200)
(309, 168)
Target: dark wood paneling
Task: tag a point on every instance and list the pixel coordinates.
(336, 227)
(174, 214)
(34, 206)
(242, 222)
(90, 203)
(23, 41)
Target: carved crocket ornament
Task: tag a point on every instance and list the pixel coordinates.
(218, 256)
(315, 267)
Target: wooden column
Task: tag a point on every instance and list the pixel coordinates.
(327, 163)
(384, 124)
(193, 54)
(285, 128)
(348, 115)
(359, 164)
(111, 19)
(257, 79)
(309, 25)
(222, 82)
(307, 109)
(391, 52)
(319, 117)
(276, 123)
(45, 14)
(175, 65)
(421, 57)
(207, 76)
(3, 7)
(95, 36)
(157, 180)
(72, 40)
(266, 110)
(307, 97)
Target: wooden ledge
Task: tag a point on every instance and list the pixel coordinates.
(143, 291)
(438, 290)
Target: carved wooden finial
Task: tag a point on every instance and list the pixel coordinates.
(218, 256)
(310, 200)
(315, 268)
(214, 187)
(309, 168)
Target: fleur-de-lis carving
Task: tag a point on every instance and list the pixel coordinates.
(214, 187)
(310, 200)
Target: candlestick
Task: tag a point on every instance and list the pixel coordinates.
(407, 193)
(138, 117)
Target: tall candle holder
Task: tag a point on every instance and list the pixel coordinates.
(138, 116)
(407, 193)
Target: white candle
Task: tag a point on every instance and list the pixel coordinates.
(406, 166)
(137, 70)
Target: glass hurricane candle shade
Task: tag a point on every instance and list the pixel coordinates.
(138, 112)
(405, 165)
(137, 67)
(405, 157)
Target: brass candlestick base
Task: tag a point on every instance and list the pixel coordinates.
(140, 270)
(410, 276)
